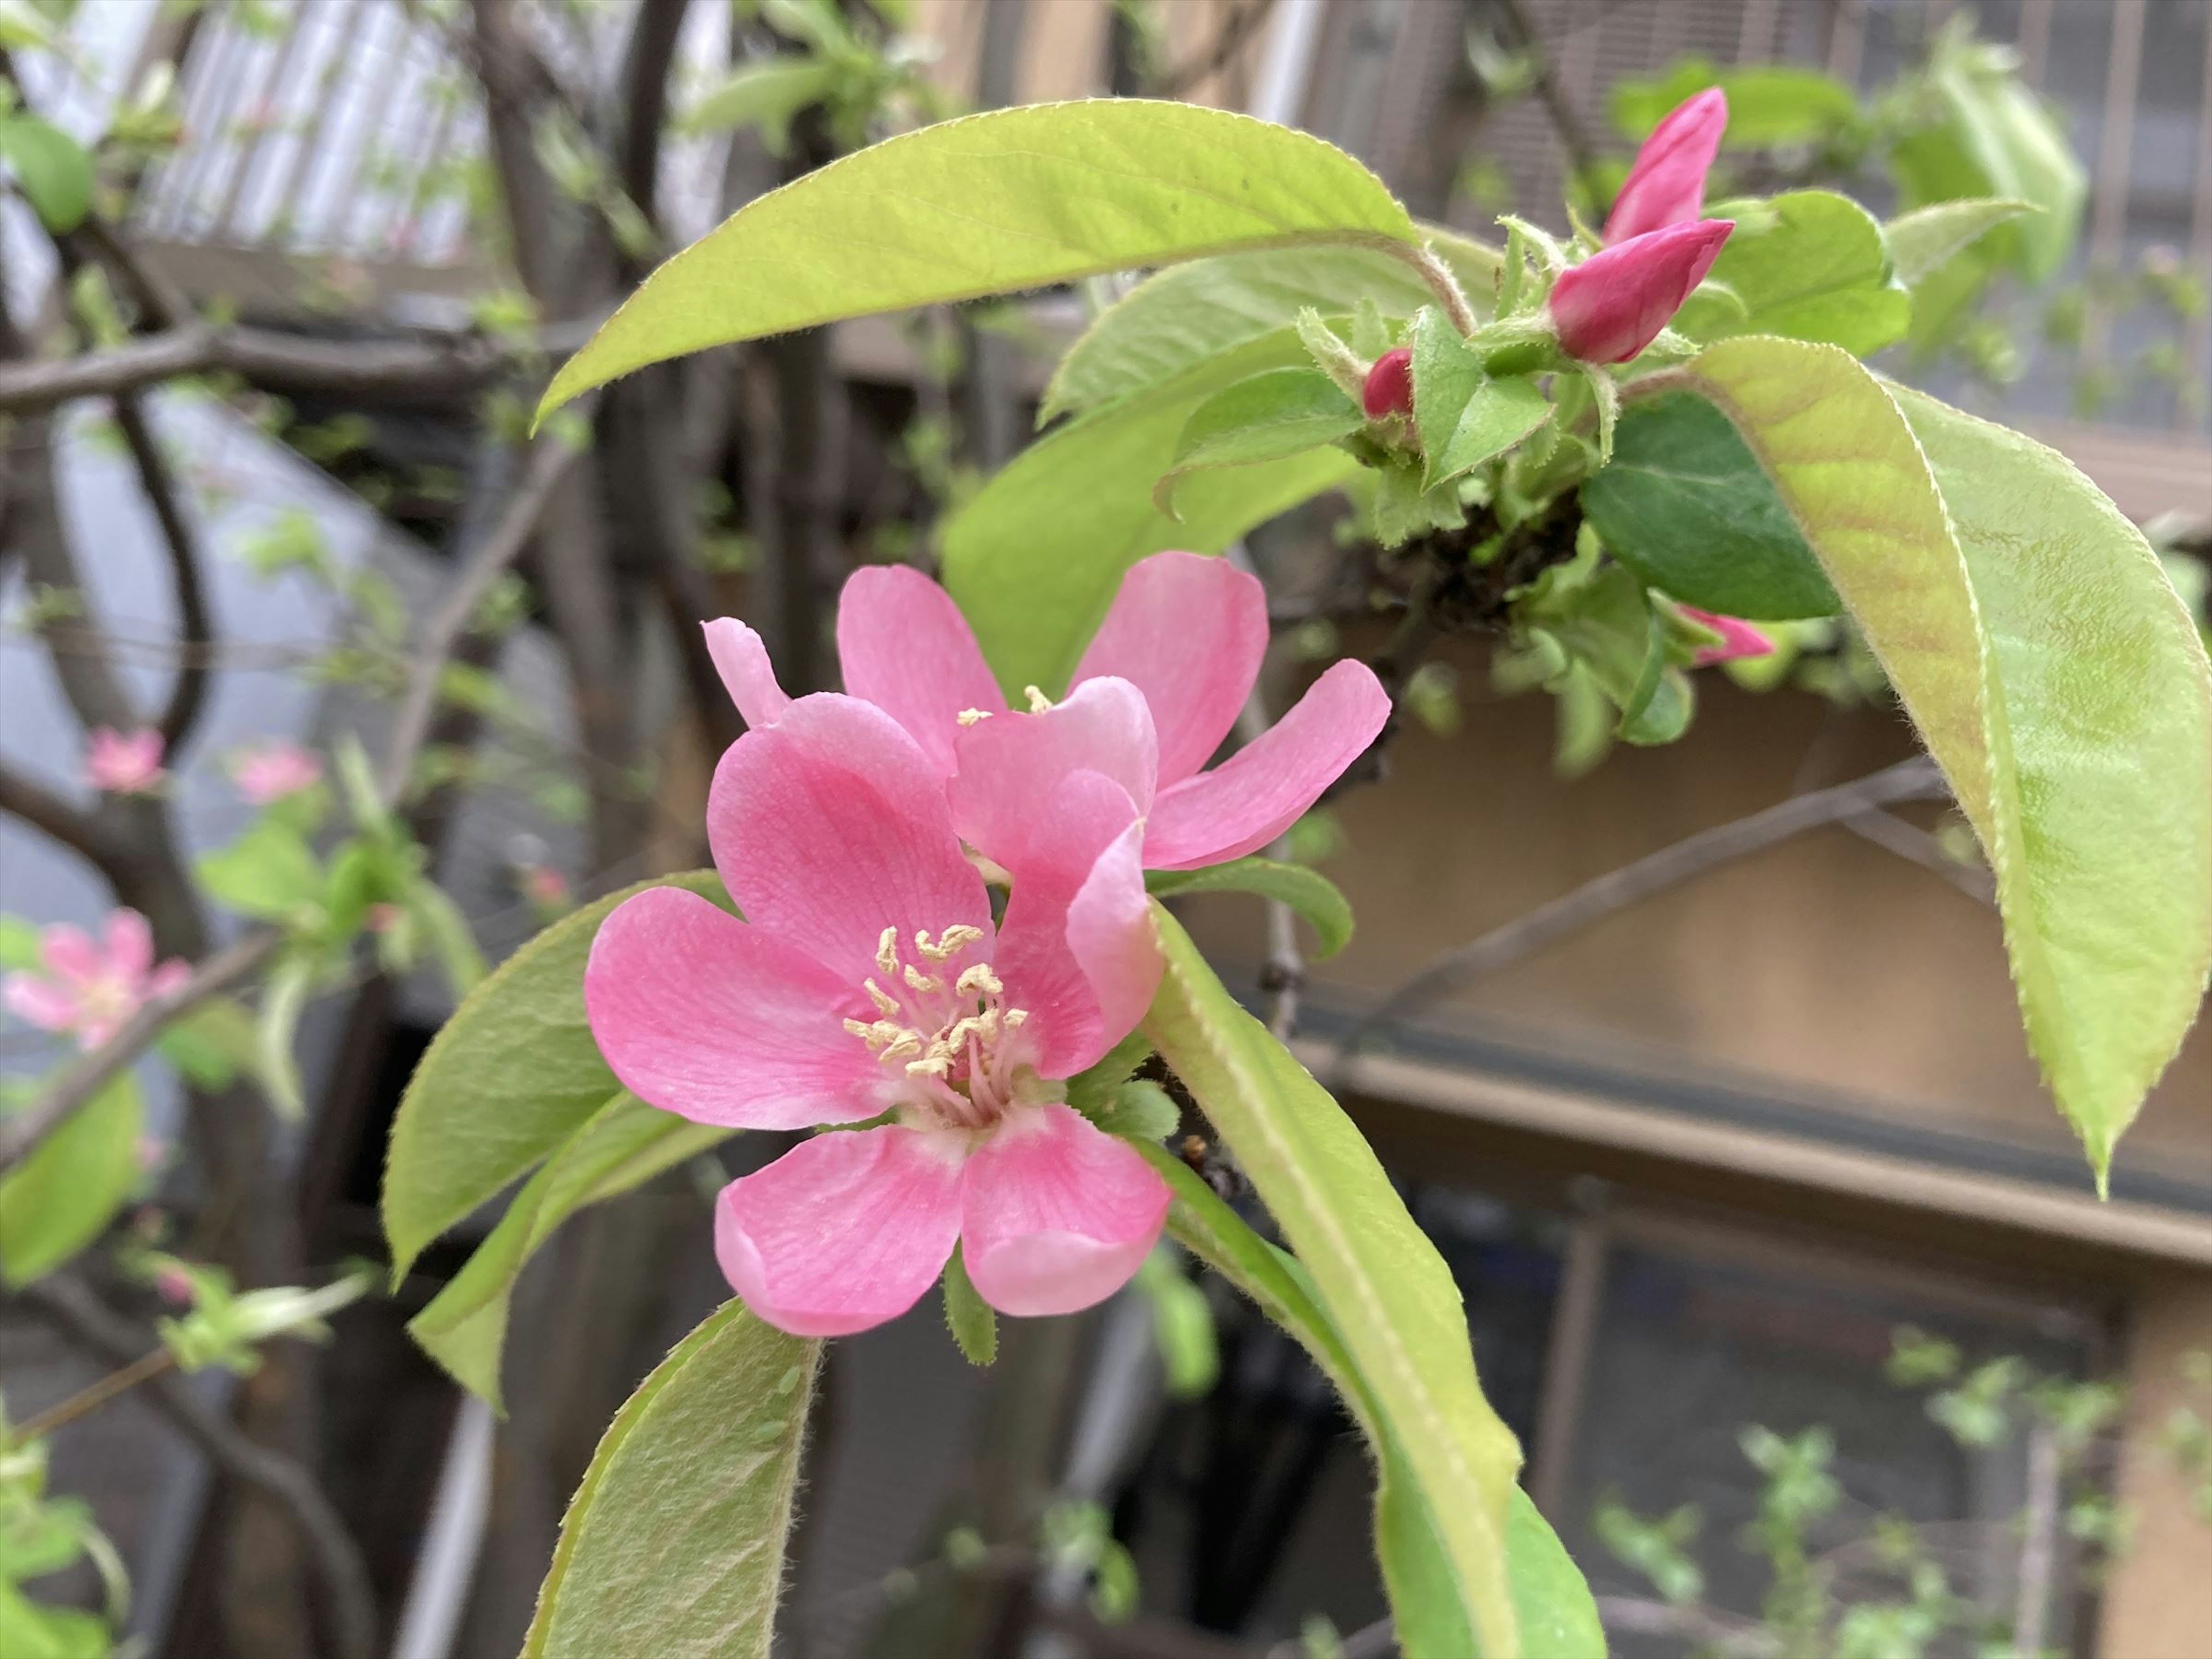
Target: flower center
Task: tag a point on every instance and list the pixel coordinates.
(943, 1033)
(108, 999)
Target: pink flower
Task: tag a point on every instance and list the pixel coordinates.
(269, 771)
(126, 763)
(1667, 185)
(1613, 304)
(1187, 631)
(89, 990)
(1390, 387)
(545, 887)
(868, 977)
(1738, 637)
(174, 1285)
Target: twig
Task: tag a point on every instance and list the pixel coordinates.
(452, 366)
(22, 1133)
(91, 1398)
(1912, 780)
(188, 693)
(1909, 842)
(352, 1599)
(1235, 30)
(2039, 1546)
(1641, 1616)
(549, 463)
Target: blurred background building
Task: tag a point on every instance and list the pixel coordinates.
(1693, 1165)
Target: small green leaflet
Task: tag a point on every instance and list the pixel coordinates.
(1465, 417)
(767, 95)
(974, 1324)
(1921, 242)
(1686, 505)
(674, 1543)
(1809, 265)
(2052, 672)
(992, 204)
(52, 168)
(62, 1197)
(1271, 417)
(1306, 891)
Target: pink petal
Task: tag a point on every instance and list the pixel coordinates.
(1076, 947)
(70, 954)
(1667, 185)
(39, 1002)
(1613, 304)
(830, 826)
(1738, 637)
(742, 661)
(1260, 791)
(1010, 764)
(129, 944)
(1054, 1213)
(1188, 631)
(844, 1231)
(171, 976)
(906, 647)
(700, 1014)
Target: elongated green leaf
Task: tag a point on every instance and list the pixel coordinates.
(52, 168)
(1686, 505)
(974, 1324)
(1927, 239)
(1464, 417)
(270, 872)
(624, 1144)
(1306, 891)
(767, 94)
(1178, 318)
(62, 1197)
(1270, 417)
(1034, 559)
(1551, 1603)
(992, 204)
(510, 1076)
(2052, 673)
(1382, 1284)
(1809, 265)
(672, 1547)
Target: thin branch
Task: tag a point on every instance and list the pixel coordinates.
(424, 366)
(195, 632)
(22, 1133)
(91, 1398)
(351, 1596)
(1732, 1637)
(1910, 842)
(550, 462)
(1228, 39)
(1912, 780)
(65, 820)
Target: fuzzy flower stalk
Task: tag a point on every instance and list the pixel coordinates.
(869, 983)
(89, 989)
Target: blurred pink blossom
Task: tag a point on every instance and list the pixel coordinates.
(90, 989)
(269, 771)
(126, 762)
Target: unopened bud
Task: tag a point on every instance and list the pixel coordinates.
(1738, 637)
(1389, 388)
(1667, 185)
(1613, 304)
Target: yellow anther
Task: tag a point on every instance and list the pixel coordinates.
(979, 981)
(971, 716)
(886, 1003)
(953, 940)
(887, 951)
(861, 1029)
(929, 1065)
(918, 980)
(1013, 1016)
(1038, 701)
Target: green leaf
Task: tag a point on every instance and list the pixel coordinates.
(1182, 1325)
(1141, 1110)
(974, 1325)
(1035, 578)
(283, 999)
(1306, 891)
(767, 95)
(1091, 1091)
(992, 204)
(1602, 618)
(270, 872)
(2053, 674)
(1686, 505)
(621, 1145)
(1994, 136)
(1551, 1602)
(1270, 417)
(452, 939)
(212, 1043)
(1927, 239)
(674, 1543)
(62, 1197)
(1388, 1292)
(1464, 417)
(29, 1631)
(52, 169)
(20, 947)
(1177, 318)
(1809, 265)
(1769, 104)
(510, 1077)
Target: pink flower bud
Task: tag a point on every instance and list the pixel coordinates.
(1389, 388)
(1667, 185)
(381, 918)
(174, 1287)
(1613, 304)
(1738, 637)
